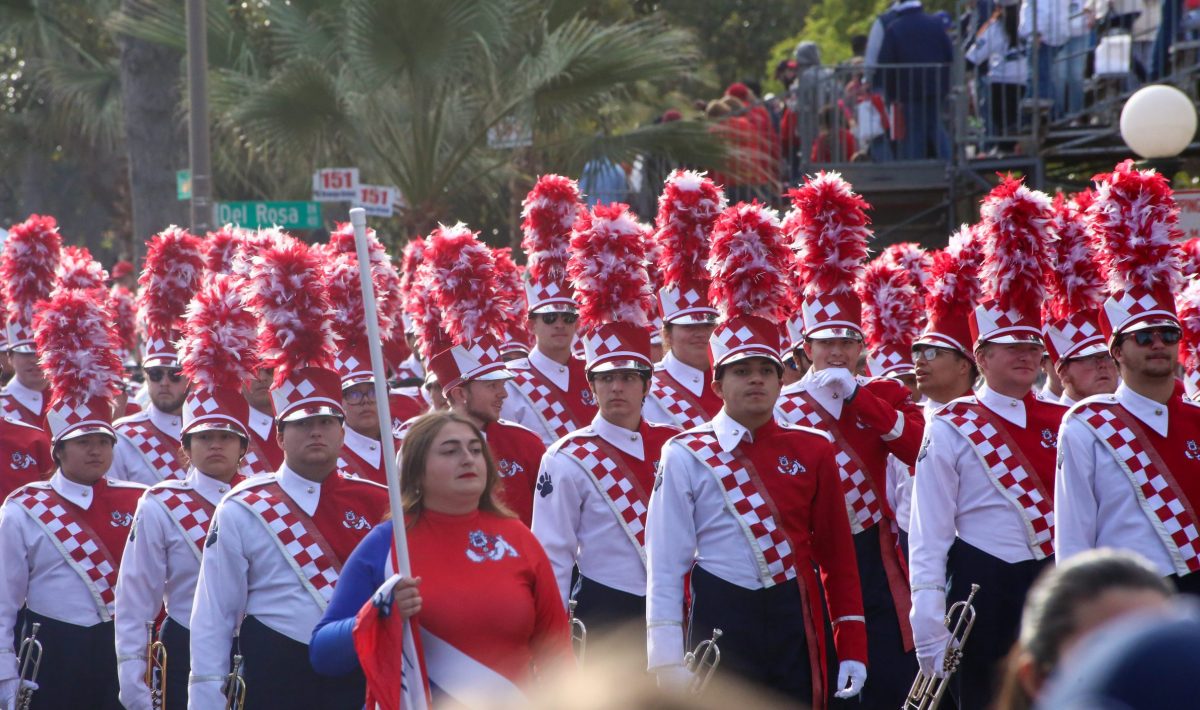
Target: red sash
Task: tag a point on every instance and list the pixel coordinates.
(625, 494)
(555, 411)
(673, 397)
(190, 512)
(159, 451)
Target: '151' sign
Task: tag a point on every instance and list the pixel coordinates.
(335, 184)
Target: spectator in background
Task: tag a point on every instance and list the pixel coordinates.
(785, 73)
(763, 141)
(1045, 25)
(815, 86)
(1072, 58)
(717, 111)
(1171, 20)
(834, 142)
(744, 142)
(913, 37)
(868, 113)
(998, 48)
(603, 181)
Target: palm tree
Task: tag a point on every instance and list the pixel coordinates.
(409, 90)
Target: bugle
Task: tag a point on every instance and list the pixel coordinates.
(578, 631)
(927, 691)
(156, 669)
(702, 662)
(29, 660)
(235, 686)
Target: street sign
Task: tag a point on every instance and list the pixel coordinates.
(335, 184)
(252, 215)
(378, 200)
(183, 184)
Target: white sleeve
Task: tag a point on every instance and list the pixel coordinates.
(874, 44)
(140, 585)
(14, 581)
(1075, 504)
(980, 50)
(670, 552)
(556, 517)
(219, 606)
(128, 464)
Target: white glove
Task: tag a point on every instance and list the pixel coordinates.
(674, 678)
(855, 674)
(134, 694)
(932, 661)
(394, 588)
(840, 381)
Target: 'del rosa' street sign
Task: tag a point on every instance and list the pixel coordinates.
(252, 215)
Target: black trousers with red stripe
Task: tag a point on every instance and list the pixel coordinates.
(79, 664)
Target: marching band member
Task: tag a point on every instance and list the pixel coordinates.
(62, 539)
(594, 484)
(751, 506)
(468, 366)
(24, 454)
(517, 338)
(482, 591)
(981, 506)
(277, 542)
(681, 391)
(868, 419)
(549, 391)
(1188, 306)
(1072, 315)
(28, 266)
(162, 558)
(411, 369)
(148, 442)
(1129, 463)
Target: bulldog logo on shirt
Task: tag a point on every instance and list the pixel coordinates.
(588, 398)
(397, 428)
(121, 520)
(354, 521)
(789, 466)
(1193, 450)
(1049, 440)
(483, 547)
(507, 468)
(22, 461)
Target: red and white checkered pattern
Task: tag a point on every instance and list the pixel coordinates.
(190, 512)
(623, 498)
(158, 450)
(353, 366)
(307, 388)
(1070, 337)
(546, 403)
(269, 503)
(686, 299)
(988, 322)
(549, 295)
(1160, 501)
(825, 312)
(612, 342)
(20, 337)
(212, 407)
(861, 500)
(253, 464)
(765, 533)
(888, 360)
(159, 351)
(741, 337)
(1125, 309)
(460, 364)
(84, 554)
(64, 417)
(671, 396)
(1017, 484)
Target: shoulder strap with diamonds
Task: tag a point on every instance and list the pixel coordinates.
(546, 401)
(677, 401)
(158, 450)
(621, 490)
(189, 511)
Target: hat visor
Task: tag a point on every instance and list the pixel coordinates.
(86, 430)
(26, 348)
(323, 410)
(1014, 339)
(748, 354)
(1161, 322)
(694, 318)
(834, 334)
(168, 361)
(554, 308)
(1097, 348)
(357, 379)
(626, 364)
(216, 425)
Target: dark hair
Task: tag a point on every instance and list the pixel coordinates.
(720, 371)
(858, 45)
(185, 443)
(417, 444)
(1051, 609)
(1012, 24)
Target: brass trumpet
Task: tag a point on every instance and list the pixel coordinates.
(578, 631)
(927, 691)
(702, 663)
(156, 669)
(29, 659)
(235, 686)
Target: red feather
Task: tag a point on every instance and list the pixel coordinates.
(1189, 256)
(1017, 240)
(511, 292)
(414, 254)
(174, 264)
(421, 307)
(386, 279)
(954, 276)
(463, 275)
(549, 213)
(831, 233)
(120, 302)
(28, 265)
(77, 269)
(608, 268)
(220, 248)
(1075, 283)
(913, 259)
(76, 346)
(750, 264)
(1134, 222)
(891, 305)
(219, 345)
(687, 210)
(1187, 305)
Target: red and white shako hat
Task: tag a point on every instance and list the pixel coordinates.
(954, 288)
(287, 294)
(549, 210)
(78, 270)
(1016, 236)
(28, 273)
(1074, 285)
(1189, 252)
(465, 291)
(78, 352)
(1134, 223)
(687, 210)
(1188, 305)
(121, 304)
(794, 325)
(890, 317)
(831, 234)
(749, 265)
(174, 264)
(608, 271)
(516, 338)
(218, 352)
(343, 286)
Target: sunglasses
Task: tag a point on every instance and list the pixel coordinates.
(552, 318)
(156, 374)
(927, 353)
(357, 397)
(1168, 336)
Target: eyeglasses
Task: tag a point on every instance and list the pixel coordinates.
(156, 374)
(359, 396)
(1094, 361)
(1168, 336)
(927, 353)
(552, 318)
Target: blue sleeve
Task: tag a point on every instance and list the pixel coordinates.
(331, 650)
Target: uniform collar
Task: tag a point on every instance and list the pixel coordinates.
(261, 423)
(559, 374)
(364, 447)
(1066, 400)
(1152, 414)
(413, 364)
(77, 493)
(627, 441)
(306, 493)
(208, 487)
(29, 399)
(1012, 410)
(729, 432)
(831, 404)
(686, 375)
(169, 424)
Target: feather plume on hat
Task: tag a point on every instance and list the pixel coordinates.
(915, 261)
(28, 266)
(1074, 283)
(750, 263)
(288, 295)
(77, 269)
(345, 287)
(687, 211)
(1017, 240)
(1134, 222)
(607, 268)
(221, 247)
(831, 230)
(1188, 306)
(463, 277)
(120, 303)
(174, 264)
(413, 255)
(77, 348)
(954, 275)
(891, 306)
(1189, 256)
(219, 343)
(549, 212)
(512, 297)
